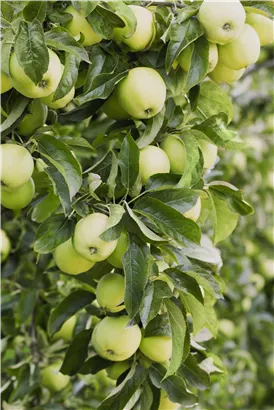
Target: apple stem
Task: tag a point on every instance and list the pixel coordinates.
(226, 27)
(92, 250)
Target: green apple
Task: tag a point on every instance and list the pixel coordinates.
(16, 165)
(116, 257)
(46, 86)
(113, 109)
(153, 160)
(142, 93)
(184, 58)
(110, 292)
(5, 245)
(87, 241)
(157, 348)
(69, 261)
(17, 198)
(66, 331)
(262, 25)
(114, 340)
(144, 33)
(78, 24)
(116, 369)
(212, 57)
(176, 152)
(209, 152)
(222, 21)
(61, 103)
(194, 212)
(40, 165)
(242, 51)
(52, 379)
(162, 266)
(34, 119)
(227, 327)
(223, 74)
(180, 101)
(166, 404)
(6, 83)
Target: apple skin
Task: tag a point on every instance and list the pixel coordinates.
(176, 152)
(224, 74)
(157, 348)
(263, 27)
(18, 198)
(61, 103)
(24, 84)
(87, 241)
(69, 261)
(113, 109)
(242, 51)
(34, 119)
(209, 152)
(5, 245)
(115, 259)
(153, 160)
(116, 369)
(17, 165)
(6, 83)
(53, 379)
(144, 33)
(222, 21)
(166, 404)
(78, 24)
(113, 340)
(66, 331)
(142, 93)
(194, 212)
(110, 292)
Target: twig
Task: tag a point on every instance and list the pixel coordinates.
(177, 4)
(256, 67)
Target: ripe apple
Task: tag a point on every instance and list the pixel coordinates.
(194, 212)
(116, 257)
(116, 369)
(40, 165)
(110, 292)
(114, 340)
(17, 198)
(113, 109)
(176, 152)
(209, 152)
(6, 83)
(66, 331)
(262, 25)
(87, 241)
(69, 261)
(153, 160)
(61, 103)
(34, 119)
(166, 404)
(212, 57)
(17, 165)
(222, 21)
(144, 33)
(78, 24)
(242, 51)
(142, 93)
(47, 85)
(53, 379)
(5, 245)
(223, 74)
(157, 348)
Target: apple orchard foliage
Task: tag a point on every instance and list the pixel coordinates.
(86, 163)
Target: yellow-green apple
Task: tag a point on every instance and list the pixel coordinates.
(157, 348)
(262, 25)
(87, 241)
(16, 165)
(222, 21)
(35, 118)
(116, 369)
(61, 103)
(6, 83)
(176, 152)
(78, 24)
(5, 245)
(70, 261)
(40, 165)
(114, 340)
(66, 331)
(110, 292)
(166, 404)
(142, 93)
(209, 152)
(144, 33)
(17, 198)
(52, 379)
(113, 109)
(180, 100)
(224, 74)
(153, 160)
(116, 257)
(22, 83)
(194, 212)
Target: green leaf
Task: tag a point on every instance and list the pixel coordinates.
(14, 116)
(85, 7)
(193, 374)
(159, 326)
(197, 311)
(215, 129)
(162, 181)
(111, 181)
(129, 161)
(192, 159)
(185, 283)
(35, 10)
(45, 207)
(180, 199)
(60, 188)
(74, 302)
(27, 303)
(94, 365)
(100, 24)
(153, 127)
(113, 230)
(199, 63)
(109, 13)
(146, 399)
(31, 51)
(69, 77)
(77, 353)
(125, 13)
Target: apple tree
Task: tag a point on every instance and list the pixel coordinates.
(113, 116)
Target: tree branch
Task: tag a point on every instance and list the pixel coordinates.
(172, 4)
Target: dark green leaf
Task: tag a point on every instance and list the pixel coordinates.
(193, 374)
(44, 208)
(94, 365)
(26, 304)
(153, 127)
(69, 76)
(181, 199)
(35, 10)
(199, 63)
(129, 161)
(77, 353)
(60, 188)
(185, 283)
(17, 110)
